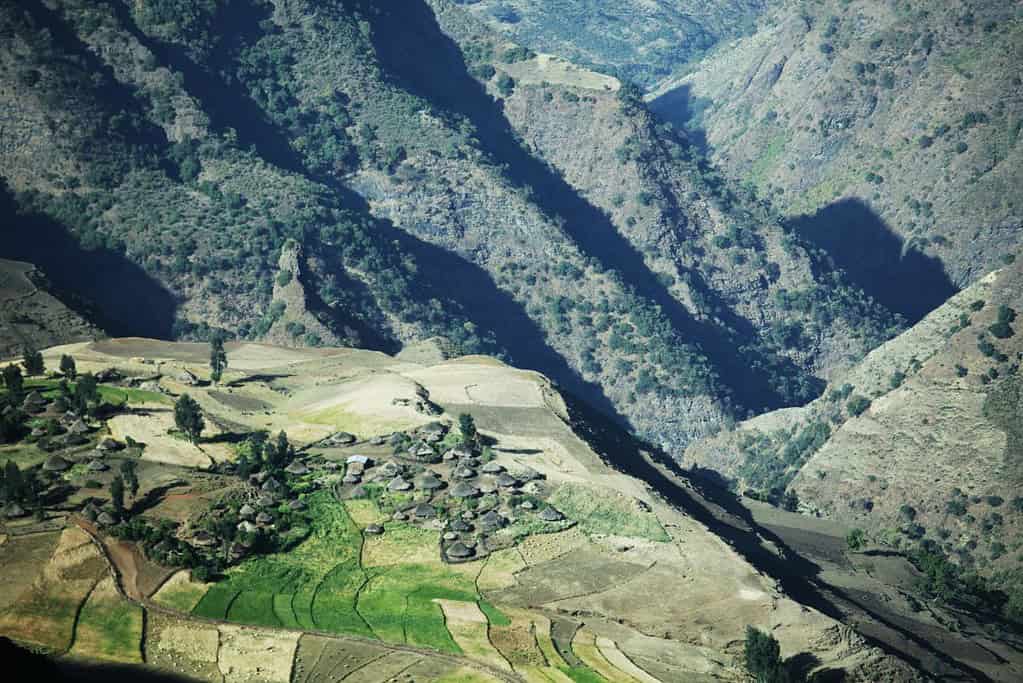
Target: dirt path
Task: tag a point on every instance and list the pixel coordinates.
(123, 566)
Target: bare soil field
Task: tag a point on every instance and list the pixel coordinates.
(22, 559)
(183, 646)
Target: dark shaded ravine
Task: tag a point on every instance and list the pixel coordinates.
(797, 575)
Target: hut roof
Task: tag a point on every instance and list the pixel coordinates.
(12, 510)
(506, 480)
(460, 525)
(389, 469)
(424, 511)
(79, 427)
(265, 500)
(429, 482)
(374, 529)
(551, 514)
(399, 484)
(297, 505)
(463, 473)
(246, 511)
(106, 519)
(459, 551)
(463, 490)
(297, 467)
(272, 485)
(487, 487)
(264, 518)
(492, 468)
(187, 377)
(98, 466)
(363, 460)
(492, 520)
(247, 527)
(423, 451)
(34, 398)
(359, 492)
(55, 463)
(108, 444)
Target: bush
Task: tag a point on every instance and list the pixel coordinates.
(856, 539)
(763, 657)
(505, 85)
(857, 405)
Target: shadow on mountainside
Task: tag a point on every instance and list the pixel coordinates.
(38, 667)
(415, 51)
(490, 308)
(227, 102)
(126, 301)
(877, 260)
(681, 108)
(721, 512)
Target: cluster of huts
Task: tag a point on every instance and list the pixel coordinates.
(453, 490)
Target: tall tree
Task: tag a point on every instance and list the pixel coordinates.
(467, 425)
(86, 393)
(33, 362)
(218, 357)
(68, 367)
(117, 495)
(188, 417)
(13, 379)
(130, 477)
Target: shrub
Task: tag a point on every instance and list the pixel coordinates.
(1001, 328)
(857, 405)
(961, 147)
(856, 539)
(505, 85)
(763, 657)
(955, 507)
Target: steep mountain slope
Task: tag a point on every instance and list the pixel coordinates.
(917, 443)
(517, 204)
(31, 316)
(640, 41)
(888, 131)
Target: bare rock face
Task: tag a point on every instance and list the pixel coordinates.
(295, 324)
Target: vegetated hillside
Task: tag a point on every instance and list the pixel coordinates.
(639, 41)
(918, 444)
(888, 130)
(31, 317)
(434, 180)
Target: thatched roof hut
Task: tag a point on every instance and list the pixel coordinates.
(297, 505)
(429, 482)
(264, 518)
(492, 521)
(463, 490)
(399, 484)
(424, 511)
(246, 511)
(551, 514)
(109, 444)
(463, 473)
(492, 468)
(297, 467)
(374, 529)
(459, 551)
(79, 427)
(55, 463)
(363, 460)
(12, 510)
(507, 481)
(106, 519)
(98, 466)
(460, 525)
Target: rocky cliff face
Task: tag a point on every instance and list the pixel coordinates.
(888, 132)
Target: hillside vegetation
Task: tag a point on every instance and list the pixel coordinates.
(889, 131)
(554, 222)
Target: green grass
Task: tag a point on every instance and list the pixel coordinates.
(284, 611)
(110, 630)
(216, 601)
(117, 395)
(581, 675)
(252, 607)
(597, 514)
(495, 616)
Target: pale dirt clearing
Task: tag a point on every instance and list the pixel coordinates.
(385, 669)
(248, 654)
(489, 384)
(151, 429)
(499, 569)
(550, 69)
(363, 406)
